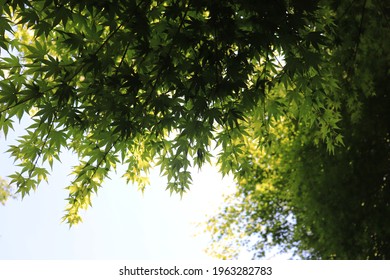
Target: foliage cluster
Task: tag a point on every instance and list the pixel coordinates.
(274, 85)
(143, 82)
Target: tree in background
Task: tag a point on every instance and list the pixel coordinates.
(302, 199)
(147, 83)
(5, 191)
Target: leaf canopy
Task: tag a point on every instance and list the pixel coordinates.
(145, 83)
(152, 82)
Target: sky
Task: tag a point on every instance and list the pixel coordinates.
(122, 223)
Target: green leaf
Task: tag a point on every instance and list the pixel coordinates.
(5, 124)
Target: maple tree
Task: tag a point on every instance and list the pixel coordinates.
(163, 83)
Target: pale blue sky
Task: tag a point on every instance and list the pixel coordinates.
(122, 223)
